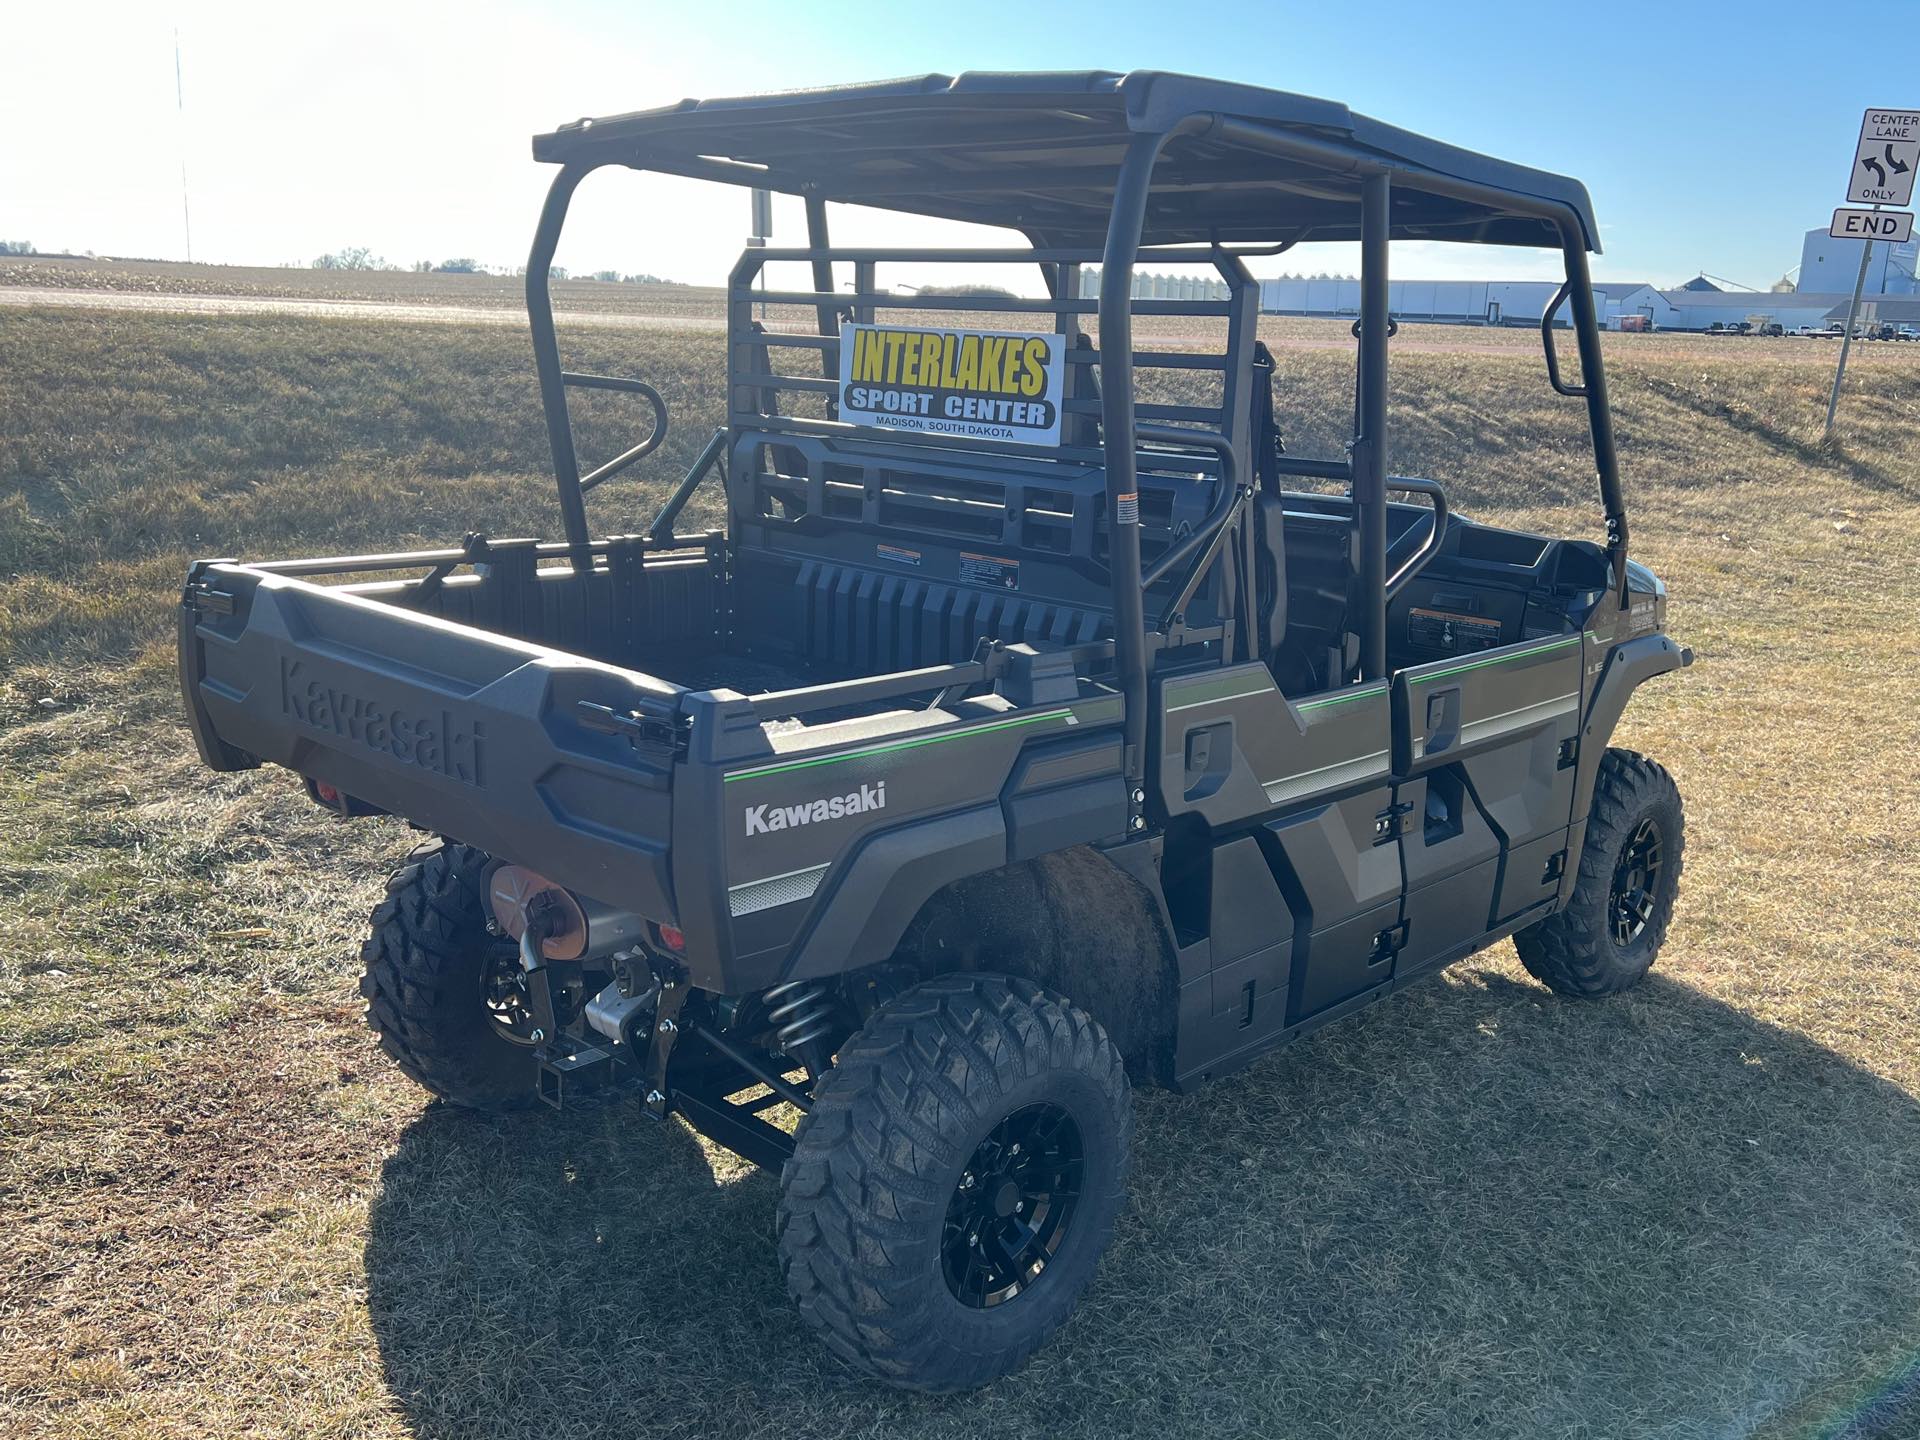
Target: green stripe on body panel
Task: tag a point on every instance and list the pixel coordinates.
(1252, 694)
(1559, 644)
(1190, 697)
(1215, 689)
(914, 742)
(1345, 697)
(1378, 687)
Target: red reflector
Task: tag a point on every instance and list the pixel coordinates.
(671, 937)
(328, 795)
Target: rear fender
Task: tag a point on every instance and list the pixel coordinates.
(1056, 796)
(815, 860)
(1080, 922)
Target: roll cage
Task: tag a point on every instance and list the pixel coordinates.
(1091, 167)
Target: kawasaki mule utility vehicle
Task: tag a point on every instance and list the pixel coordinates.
(1018, 739)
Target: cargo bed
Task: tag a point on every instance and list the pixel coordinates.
(548, 717)
(454, 707)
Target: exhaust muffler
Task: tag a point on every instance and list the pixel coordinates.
(566, 926)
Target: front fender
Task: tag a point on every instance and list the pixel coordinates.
(1628, 666)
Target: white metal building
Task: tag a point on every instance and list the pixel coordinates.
(1463, 302)
(1466, 302)
(1791, 309)
(1519, 302)
(1617, 299)
(1885, 309)
(1158, 287)
(1830, 266)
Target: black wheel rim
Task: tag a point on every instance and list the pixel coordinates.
(1013, 1206)
(503, 988)
(1636, 883)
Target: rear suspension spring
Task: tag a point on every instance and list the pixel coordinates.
(802, 1012)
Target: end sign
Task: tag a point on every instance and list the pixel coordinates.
(1884, 162)
(1885, 159)
(1894, 225)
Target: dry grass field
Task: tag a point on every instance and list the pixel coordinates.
(374, 287)
(1478, 1210)
(377, 294)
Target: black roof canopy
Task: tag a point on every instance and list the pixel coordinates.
(1040, 152)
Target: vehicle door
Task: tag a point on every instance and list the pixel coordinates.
(1484, 745)
(1311, 780)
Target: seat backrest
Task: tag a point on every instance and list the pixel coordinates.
(863, 557)
(1270, 571)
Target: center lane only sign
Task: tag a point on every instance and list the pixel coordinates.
(1886, 158)
(980, 384)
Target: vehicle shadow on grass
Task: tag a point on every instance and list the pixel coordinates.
(1797, 447)
(1476, 1210)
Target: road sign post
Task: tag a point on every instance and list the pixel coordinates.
(1846, 340)
(1885, 160)
(762, 227)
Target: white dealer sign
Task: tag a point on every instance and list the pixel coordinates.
(1886, 158)
(981, 384)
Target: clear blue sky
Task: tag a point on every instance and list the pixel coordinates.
(1711, 135)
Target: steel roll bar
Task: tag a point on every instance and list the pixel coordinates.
(1216, 516)
(1370, 431)
(1552, 352)
(1132, 188)
(555, 381)
(646, 447)
(709, 456)
(1126, 227)
(1212, 531)
(546, 359)
(1325, 153)
(1593, 376)
(1429, 547)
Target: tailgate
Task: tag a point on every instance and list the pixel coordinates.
(466, 733)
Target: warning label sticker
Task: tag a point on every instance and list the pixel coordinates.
(989, 570)
(981, 384)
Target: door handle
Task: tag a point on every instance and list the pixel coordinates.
(1443, 720)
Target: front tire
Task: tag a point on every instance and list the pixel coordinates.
(438, 984)
(1609, 933)
(956, 1181)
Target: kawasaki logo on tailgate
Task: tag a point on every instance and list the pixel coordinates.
(763, 819)
(428, 739)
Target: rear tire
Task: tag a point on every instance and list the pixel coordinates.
(952, 1190)
(428, 964)
(1608, 935)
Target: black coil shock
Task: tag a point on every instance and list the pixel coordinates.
(803, 1016)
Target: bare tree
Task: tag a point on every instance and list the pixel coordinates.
(354, 257)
